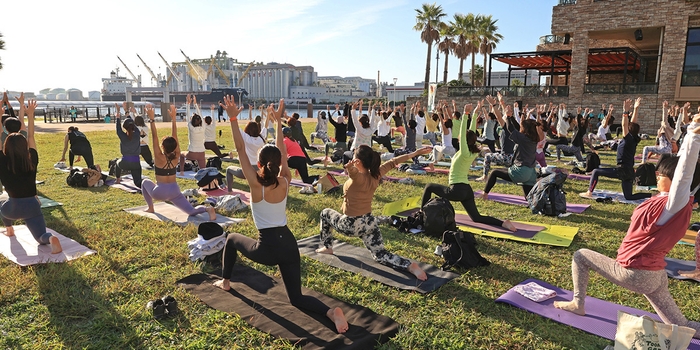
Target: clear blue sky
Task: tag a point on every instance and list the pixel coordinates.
(74, 43)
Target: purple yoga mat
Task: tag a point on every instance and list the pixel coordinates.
(524, 230)
(580, 177)
(600, 318)
(520, 200)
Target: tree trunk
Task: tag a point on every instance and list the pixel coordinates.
(472, 73)
(461, 69)
(485, 71)
(444, 77)
(427, 68)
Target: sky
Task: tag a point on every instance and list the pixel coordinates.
(75, 43)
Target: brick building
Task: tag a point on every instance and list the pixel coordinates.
(606, 51)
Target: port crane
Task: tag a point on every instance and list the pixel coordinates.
(194, 69)
(245, 74)
(138, 80)
(213, 64)
(172, 71)
(153, 76)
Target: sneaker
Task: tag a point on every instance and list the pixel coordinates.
(407, 181)
(170, 303)
(191, 192)
(307, 190)
(573, 162)
(383, 219)
(157, 308)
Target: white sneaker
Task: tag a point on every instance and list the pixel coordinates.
(307, 190)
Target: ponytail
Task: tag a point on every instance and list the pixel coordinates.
(370, 160)
(374, 167)
(471, 142)
(267, 175)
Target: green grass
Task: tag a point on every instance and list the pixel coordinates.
(98, 301)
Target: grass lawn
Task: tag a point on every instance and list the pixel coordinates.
(99, 301)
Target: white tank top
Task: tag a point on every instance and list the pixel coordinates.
(268, 215)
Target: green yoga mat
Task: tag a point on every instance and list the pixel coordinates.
(45, 202)
(555, 235)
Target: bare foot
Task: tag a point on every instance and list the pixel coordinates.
(417, 271)
(509, 226)
(482, 178)
(9, 231)
(431, 166)
(586, 194)
(55, 245)
(212, 213)
(325, 250)
(150, 210)
(182, 173)
(484, 196)
(570, 306)
(338, 317)
(326, 161)
(693, 274)
(223, 284)
(118, 181)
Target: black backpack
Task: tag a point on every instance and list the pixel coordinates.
(113, 166)
(77, 178)
(645, 175)
(438, 216)
(547, 196)
(592, 162)
(214, 162)
(459, 249)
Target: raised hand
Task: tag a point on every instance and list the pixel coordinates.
(696, 119)
(637, 102)
(627, 105)
(117, 112)
(173, 111)
(126, 106)
(189, 99)
(468, 108)
(500, 97)
(491, 100)
(20, 98)
(31, 106)
(231, 108)
(150, 112)
(213, 107)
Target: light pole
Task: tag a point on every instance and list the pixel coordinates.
(437, 64)
(394, 98)
(240, 95)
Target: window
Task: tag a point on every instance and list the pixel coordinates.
(691, 67)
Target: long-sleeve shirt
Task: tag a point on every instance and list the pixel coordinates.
(660, 222)
(462, 160)
(322, 124)
(383, 126)
(363, 136)
(128, 146)
(420, 126)
(195, 136)
(358, 190)
(432, 125)
(340, 130)
(210, 131)
(562, 125)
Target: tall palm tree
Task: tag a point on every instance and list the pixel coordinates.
(474, 41)
(2, 47)
(488, 31)
(465, 29)
(447, 45)
(427, 23)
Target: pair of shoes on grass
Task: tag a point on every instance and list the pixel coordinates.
(167, 306)
(606, 200)
(307, 190)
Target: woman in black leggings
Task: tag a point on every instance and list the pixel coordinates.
(276, 244)
(79, 146)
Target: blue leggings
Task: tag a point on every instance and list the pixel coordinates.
(614, 173)
(169, 192)
(29, 209)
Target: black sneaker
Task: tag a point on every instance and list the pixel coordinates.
(170, 305)
(157, 308)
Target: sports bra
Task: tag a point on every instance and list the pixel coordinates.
(168, 170)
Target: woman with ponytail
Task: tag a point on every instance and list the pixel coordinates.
(253, 140)
(18, 164)
(459, 189)
(365, 171)
(195, 136)
(166, 188)
(130, 147)
(276, 245)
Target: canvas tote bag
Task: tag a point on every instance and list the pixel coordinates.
(642, 333)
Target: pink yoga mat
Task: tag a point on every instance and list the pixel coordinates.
(245, 196)
(580, 177)
(600, 318)
(524, 230)
(520, 200)
(23, 249)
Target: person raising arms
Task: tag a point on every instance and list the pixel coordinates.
(166, 188)
(276, 245)
(356, 220)
(18, 167)
(195, 136)
(656, 226)
(130, 147)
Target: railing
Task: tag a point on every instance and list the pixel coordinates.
(632, 88)
(511, 91)
(567, 2)
(551, 39)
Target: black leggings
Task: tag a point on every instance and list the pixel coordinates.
(615, 174)
(299, 163)
(212, 146)
(147, 155)
(85, 152)
(384, 141)
(502, 174)
(275, 246)
(490, 143)
(556, 141)
(463, 193)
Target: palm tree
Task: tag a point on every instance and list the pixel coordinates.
(2, 47)
(447, 45)
(465, 29)
(474, 41)
(488, 31)
(427, 23)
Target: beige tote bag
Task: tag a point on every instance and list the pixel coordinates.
(643, 333)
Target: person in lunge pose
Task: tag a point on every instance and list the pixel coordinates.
(664, 137)
(210, 135)
(276, 244)
(143, 139)
(195, 135)
(505, 156)
(79, 146)
(340, 135)
(130, 147)
(166, 188)
(656, 226)
(18, 165)
(356, 220)
(626, 150)
(459, 189)
(254, 140)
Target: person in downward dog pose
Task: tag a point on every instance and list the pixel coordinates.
(356, 220)
(166, 188)
(79, 146)
(656, 226)
(276, 244)
(18, 162)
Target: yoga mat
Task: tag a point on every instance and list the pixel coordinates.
(39, 182)
(689, 237)
(126, 184)
(616, 196)
(554, 235)
(649, 160)
(245, 196)
(23, 250)
(645, 188)
(230, 160)
(600, 318)
(262, 302)
(168, 212)
(145, 166)
(359, 260)
(520, 200)
(524, 230)
(45, 202)
(673, 265)
(188, 175)
(579, 177)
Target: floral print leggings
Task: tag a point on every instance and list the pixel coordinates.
(365, 227)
